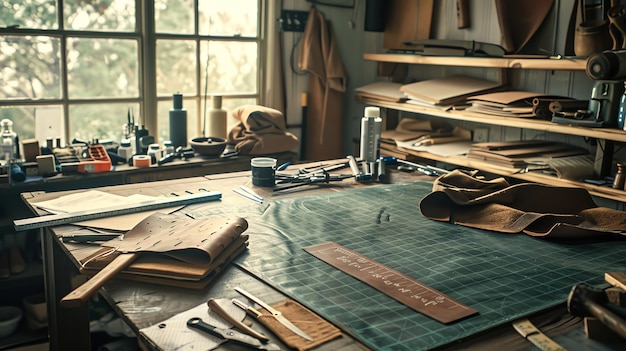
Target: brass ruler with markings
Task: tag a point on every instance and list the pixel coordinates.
(394, 284)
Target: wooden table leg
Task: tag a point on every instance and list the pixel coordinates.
(68, 328)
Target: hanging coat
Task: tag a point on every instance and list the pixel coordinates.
(327, 83)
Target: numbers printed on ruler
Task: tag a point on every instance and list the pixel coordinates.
(387, 276)
(396, 285)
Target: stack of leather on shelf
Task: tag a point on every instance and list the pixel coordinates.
(519, 103)
(169, 262)
(386, 91)
(522, 154)
(447, 91)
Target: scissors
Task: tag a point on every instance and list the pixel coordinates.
(231, 335)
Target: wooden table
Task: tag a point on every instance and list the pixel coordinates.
(142, 305)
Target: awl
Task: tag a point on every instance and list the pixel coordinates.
(275, 313)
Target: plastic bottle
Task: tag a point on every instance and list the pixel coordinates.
(217, 123)
(155, 151)
(8, 146)
(169, 148)
(125, 149)
(178, 122)
(371, 126)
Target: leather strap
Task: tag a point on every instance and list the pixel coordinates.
(528, 330)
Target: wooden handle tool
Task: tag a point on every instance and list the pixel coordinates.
(215, 307)
(81, 294)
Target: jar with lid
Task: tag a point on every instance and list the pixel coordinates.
(125, 149)
(8, 145)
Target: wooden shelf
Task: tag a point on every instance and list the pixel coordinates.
(528, 63)
(595, 190)
(598, 133)
(541, 63)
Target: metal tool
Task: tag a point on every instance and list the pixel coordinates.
(249, 309)
(251, 192)
(248, 195)
(310, 180)
(215, 307)
(78, 216)
(585, 301)
(230, 335)
(277, 314)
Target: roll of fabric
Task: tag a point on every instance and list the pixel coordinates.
(261, 130)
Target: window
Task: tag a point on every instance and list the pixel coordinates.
(76, 71)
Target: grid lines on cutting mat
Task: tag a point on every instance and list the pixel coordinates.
(503, 276)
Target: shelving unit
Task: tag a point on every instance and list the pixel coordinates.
(605, 134)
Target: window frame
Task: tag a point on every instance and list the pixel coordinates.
(146, 37)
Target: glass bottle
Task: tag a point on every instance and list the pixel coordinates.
(9, 140)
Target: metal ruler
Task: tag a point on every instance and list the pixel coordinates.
(394, 284)
(148, 205)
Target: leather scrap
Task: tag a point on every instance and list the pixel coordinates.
(315, 326)
(538, 210)
(520, 20)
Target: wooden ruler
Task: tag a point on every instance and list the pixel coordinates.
(148, 205)
(394, 284)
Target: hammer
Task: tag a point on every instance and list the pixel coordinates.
(584, 301)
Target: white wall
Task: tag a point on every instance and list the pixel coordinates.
(354, 42)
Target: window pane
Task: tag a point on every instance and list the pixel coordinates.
(176, 67)
(231, 104)
(112, 15)
(174, 16)
(30, 67)
(100, 121)
(102, 68)
(232, 67)
(163, 111)
(228, 18)
(32, 14)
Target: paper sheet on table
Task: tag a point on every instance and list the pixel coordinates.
(445, 149)
(93, 200)
(173, 333)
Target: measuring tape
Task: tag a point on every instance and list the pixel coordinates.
(534, 335)
(148, 205)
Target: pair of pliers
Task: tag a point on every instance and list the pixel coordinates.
(231, 335)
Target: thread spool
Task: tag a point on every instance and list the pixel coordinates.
(142, 161)
(178, 122)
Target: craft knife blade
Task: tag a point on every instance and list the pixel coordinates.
(248, 195)
(277, 314)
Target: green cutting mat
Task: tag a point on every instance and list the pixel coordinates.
(503, 276)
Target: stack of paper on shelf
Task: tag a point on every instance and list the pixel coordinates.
(387, 91)
(447, 90)
(520, 154)
(512, 103)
